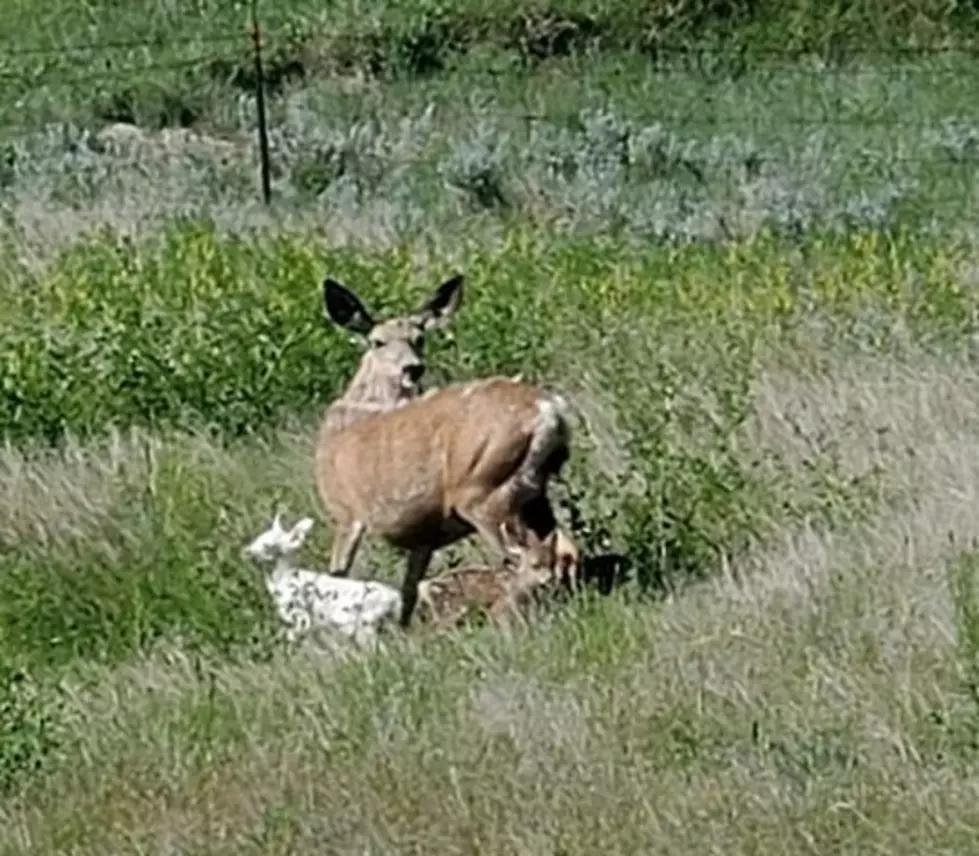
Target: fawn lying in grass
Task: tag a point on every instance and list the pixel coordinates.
(356, 609)
(502, 592)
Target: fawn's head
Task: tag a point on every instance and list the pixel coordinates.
(393, 365)
(537, 557)
(277, 541)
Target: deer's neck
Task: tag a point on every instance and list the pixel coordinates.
(283, 569)
(365, 397)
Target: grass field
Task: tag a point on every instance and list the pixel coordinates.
(752, 267)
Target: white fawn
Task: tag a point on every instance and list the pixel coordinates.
(356, 609)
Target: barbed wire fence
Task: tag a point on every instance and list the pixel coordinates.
(71, 68)
(252, 35)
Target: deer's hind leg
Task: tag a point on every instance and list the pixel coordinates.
(509, 483)
(485, 513)
(538, 515)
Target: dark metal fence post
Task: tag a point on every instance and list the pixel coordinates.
(263, 129)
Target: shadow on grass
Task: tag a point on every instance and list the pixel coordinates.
(607, 572)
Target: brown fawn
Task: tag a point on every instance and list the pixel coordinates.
(500, 592)
(420, 471)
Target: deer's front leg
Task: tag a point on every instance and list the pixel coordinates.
(418, 561)
(346, 540)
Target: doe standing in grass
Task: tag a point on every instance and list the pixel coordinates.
(422, 472)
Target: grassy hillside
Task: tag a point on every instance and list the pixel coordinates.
(824, 668)
(659, 352)
(742, 240)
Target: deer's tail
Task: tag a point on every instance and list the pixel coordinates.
(550, 444)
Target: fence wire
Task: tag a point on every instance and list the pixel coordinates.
(83, 69)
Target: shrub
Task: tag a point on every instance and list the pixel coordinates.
(30, 726)
(193, 329)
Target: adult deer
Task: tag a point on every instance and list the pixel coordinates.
(422, 472)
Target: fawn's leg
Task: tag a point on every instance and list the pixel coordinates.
(503, 613)
(365, 636)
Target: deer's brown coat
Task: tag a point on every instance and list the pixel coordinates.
(424, 472)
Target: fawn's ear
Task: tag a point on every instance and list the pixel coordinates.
(299, 532)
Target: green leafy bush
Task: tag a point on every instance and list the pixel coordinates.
(656, 350)
(191, 329)
(30, 726)
(195, 329)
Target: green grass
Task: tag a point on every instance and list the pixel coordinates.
(659, 351)
(753, 275)
(170, 513)
(817, 446)
(821, 699)
(205, 48)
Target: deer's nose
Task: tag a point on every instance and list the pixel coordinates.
(415, 372)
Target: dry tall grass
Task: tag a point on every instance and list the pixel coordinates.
(813, 699)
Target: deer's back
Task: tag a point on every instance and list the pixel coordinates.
(396, 471)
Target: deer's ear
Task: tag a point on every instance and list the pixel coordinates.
(508, 539)
(299, 532)
(443, 304)
(550, 542)
(344, 308)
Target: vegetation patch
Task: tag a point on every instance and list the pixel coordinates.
(740, 238)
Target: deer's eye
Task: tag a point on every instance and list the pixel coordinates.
(377, 343)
